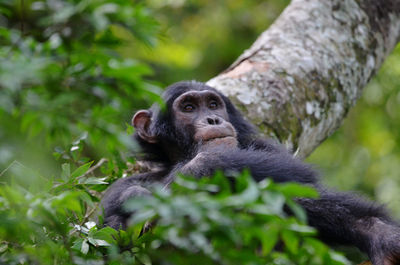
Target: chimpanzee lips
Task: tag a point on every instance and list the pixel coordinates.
(208, 133)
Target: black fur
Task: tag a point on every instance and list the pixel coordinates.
(339, 217)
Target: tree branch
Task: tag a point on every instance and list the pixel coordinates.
(300, 78)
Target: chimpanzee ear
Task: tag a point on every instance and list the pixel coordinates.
(142, 121)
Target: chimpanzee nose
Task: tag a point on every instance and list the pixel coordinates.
(213, 121)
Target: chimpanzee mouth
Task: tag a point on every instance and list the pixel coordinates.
(216, 133)
(218, 137)
(209, 133)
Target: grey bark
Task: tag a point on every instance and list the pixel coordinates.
(300, 78)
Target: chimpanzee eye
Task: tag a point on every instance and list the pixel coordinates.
(188, 107)
(213, 105)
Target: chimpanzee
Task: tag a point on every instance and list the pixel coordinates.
(200, 131)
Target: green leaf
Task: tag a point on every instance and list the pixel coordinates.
(93, 181)
(81, 170)
(66, 171)
(142, 216)
(248, 195)
(269, 238)
(338, 259)
(85, 247)
(297, 190)
(297, 210)
(274, 200)
(303, 229)
(291, 241)
(107, 234)
(78, 244)
(68, 200)
(98, 242)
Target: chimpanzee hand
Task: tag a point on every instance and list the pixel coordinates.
(383, 242)
(208, 153)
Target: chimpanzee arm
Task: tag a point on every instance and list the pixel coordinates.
(123, 189)
(277, 164)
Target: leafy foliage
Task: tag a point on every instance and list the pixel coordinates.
(203, 221)
(61, 76)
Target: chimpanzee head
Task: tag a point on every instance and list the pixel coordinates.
(195, 114)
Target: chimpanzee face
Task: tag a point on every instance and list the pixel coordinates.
(196, 117)
(204, 114)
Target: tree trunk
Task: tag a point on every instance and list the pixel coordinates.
(300, 78)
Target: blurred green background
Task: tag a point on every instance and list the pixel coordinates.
(73, 71)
